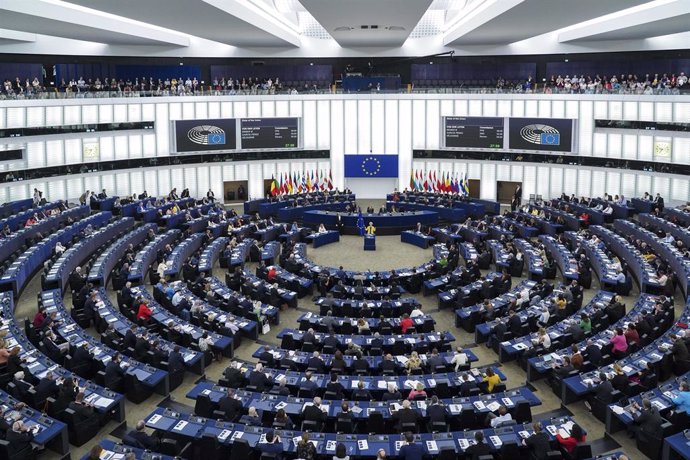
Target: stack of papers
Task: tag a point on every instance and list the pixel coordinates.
(493, 406)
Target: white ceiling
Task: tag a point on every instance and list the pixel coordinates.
(332, 28)
(394, 20)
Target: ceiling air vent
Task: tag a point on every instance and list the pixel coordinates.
(395, 28)
(344, 29)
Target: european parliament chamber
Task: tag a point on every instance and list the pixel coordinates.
(366, 229)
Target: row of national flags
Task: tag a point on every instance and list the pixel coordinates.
(444, 182)
(311, 181)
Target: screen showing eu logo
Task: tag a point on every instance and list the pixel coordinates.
(371, 165)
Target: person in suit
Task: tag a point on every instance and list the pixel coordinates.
(175, 360)
(46, 387)
(410, 450)
(467, 384)
(434, 361)
(376, 341)
(361, 393)
(360, 365)
(19, 437)
(479, 448)
(273, 445)
(131, 337)
(258, 379)
(392, 394)
(315, 363)
(77, 279)
(114, 373)
(81, 356)
(230, 405)
(234, 376)
(436, 411)
(309, 337)
(83, 411)
(593, 353)
(388, 364)
(308, 384)
(335, 387)
(538, 443)
(313, 413)
(406, 415)
(280, 387)
(339, 224)
(648, 423)
(602, 392)
(659, 202)
(140, 438)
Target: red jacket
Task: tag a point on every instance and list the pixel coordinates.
(144, 312)
(405, 323)
(570, 442)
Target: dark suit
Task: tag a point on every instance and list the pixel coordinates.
(316, 364)
(539, 445)
(360, 365)
(593, 354)
(175, 361)
(234, 377)
(515, 325)
(142, 440)
(113, 373)
(46, 388)
(477, 450)
(82, 412)
(314, 414)
(406, 416)
(437, 413)
(603, 392)
(230, 406)
(81, 357)
(465, 387)
(259, 380)
(18, 441)
(649, 425)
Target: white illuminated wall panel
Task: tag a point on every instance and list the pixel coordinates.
(73, 151)
(461, 107)
(92, 182)
(54, 153)
(391, 129)
(628, 185)
(134, 113)
(296, 108)
(570, 180)
(189, 180)
(545, 108)
(216, 180)
(309, 124)
(646, 111)
(584, 182)
(516, 173)
(378, 120)
(543, 188)
(201, 110)
(136, 182)
(556, 181)
(405, 131)
(680, 189)
(661, 185)
(645, 148)
(323, 124)
(135, 146)
(529, 182)
(226, 110)
(599, 149)
(148, 112)
(503, 172)
(16, 117)
(35, 116)
(214, 110)
(122, 187)
(107, 148)
(188, 112)
(121, 147)
(488, 182)
(35, 155)
(613, 183)
(585, 128)
(119, 113)
(55, 190)
(202, 180)
(504, 108)
(53, 116)
(162, 130)
(105, 113)
(681, 112)
(447, 108)
(664, 111)
(432, 125)
(89, 114)
(268, 109)
(72, 114)
(681, 150)
(151, 182)
(630, 110)
(337, 142)
(282, 108)
(253, 109)
(615, 110)
(475, 108)
(598, 185)
(615, 142)
(149, 145)
(349, 122)
(629, 147)
(558, 109)
(107, 182)
(75, 187)
(364, 126)
(644, 184)
(518, 108)
(490, 108)
(572, 108)
(419, 124)
(531, 108)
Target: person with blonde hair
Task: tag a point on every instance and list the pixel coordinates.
(305, 449)
(416, 391)
(413, 363)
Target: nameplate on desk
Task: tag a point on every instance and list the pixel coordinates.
(508, 401)
(153, 420)
(552, 429)
(398, 445)
(479, 405)
(363, 444)
(330, 445)
(496, 441)
(455, 408)
(524, 434)
(236, 435)
(224, 435)
(180, 425)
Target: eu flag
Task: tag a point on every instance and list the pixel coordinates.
(550, 139)
(371, 166)
(216, 139)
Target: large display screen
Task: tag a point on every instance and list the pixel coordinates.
(205, 135)
(475, 132)
(547, 134)
(269, 133)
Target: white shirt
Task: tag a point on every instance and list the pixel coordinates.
(608, 210)
(162, 267)
(544, 317)
(500, 419)
(546, 341)
(416, 313)
(460, 359)
(177, 298)
(205, 343)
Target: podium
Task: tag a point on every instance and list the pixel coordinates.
(369, 243)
